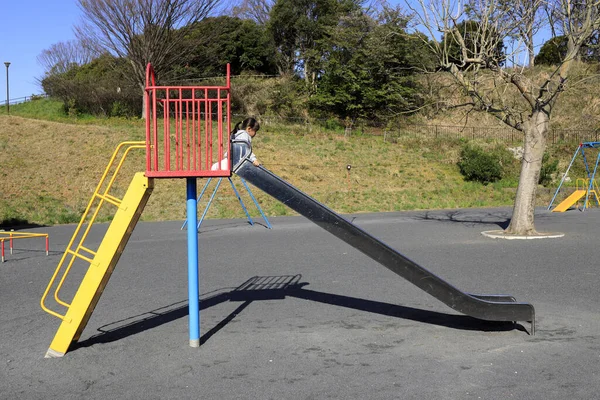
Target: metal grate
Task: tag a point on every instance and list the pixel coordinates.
(187, 129)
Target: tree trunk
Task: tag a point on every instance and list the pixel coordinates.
(536, 130)
(530, 48)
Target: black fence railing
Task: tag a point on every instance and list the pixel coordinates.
(458, 132)
(502, 134)
(19, 100)
(505, 134)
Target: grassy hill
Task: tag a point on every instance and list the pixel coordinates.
(51, 165)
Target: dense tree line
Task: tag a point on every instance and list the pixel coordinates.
(329, 58)
(320, 58)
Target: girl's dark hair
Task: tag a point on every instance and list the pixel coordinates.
(247, 123)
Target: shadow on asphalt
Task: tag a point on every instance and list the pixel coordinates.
(465, 217)
(221, 226)
(260, 288)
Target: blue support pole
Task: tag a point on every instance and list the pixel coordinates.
(199, 197)
(256, 203)
(193, 287)
(591, 184)
(565, 175)
(241, 202)
(198, 223)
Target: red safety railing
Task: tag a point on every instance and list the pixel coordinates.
(187, 129)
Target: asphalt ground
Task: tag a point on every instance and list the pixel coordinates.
(327, 322)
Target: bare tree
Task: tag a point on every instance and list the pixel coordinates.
(60, 57)
(526, 17)
(141, 31)
(531, 111)
(256, 10)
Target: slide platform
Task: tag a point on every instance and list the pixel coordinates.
(485, 307)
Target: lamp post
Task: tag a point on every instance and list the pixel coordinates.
(7, 91)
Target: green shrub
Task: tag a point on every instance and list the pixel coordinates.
(549, 168)
(333, 124)
(120, 109)
(476, 164)
(511, 167)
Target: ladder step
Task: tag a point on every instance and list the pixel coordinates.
(110, 199)
(105, 260)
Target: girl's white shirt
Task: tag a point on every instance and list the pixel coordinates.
(241, 135)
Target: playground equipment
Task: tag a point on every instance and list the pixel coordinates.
(584, 187)
(195, 129)
(187, 130)
(237, 194)
(10, 236)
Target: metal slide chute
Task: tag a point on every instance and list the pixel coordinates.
(485, 307)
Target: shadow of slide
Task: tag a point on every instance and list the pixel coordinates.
(260, 288)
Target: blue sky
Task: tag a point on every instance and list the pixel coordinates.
(28, 27)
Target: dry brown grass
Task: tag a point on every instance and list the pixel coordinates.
(50, 170)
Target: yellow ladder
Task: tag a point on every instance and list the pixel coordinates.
(102, 261)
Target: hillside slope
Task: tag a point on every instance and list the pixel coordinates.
(50, 170)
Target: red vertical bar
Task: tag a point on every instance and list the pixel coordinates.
(227, 80)
(176, 127)
(179, 135)
(155, 132)
(210, 132)
(199, 135)
(220, 126)
(2, 241)
(228, 115)
(177, 105)
(47, 245)
(148, 140)
(187, 134)
(193, 144)
(207, 145)
(167, 131)
(10, 246)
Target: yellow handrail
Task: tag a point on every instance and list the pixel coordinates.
(103, 197)
(584, 184)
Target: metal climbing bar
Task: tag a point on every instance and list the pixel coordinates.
(76, 249)
(187, 129)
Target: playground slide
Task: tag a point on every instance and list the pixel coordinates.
(485, 307)
(570, 201)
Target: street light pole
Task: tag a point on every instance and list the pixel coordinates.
(7, 91)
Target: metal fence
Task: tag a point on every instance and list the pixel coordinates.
(505, 134)
(19, 100)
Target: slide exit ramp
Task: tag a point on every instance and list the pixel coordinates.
(485, 307)
(570, 201)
